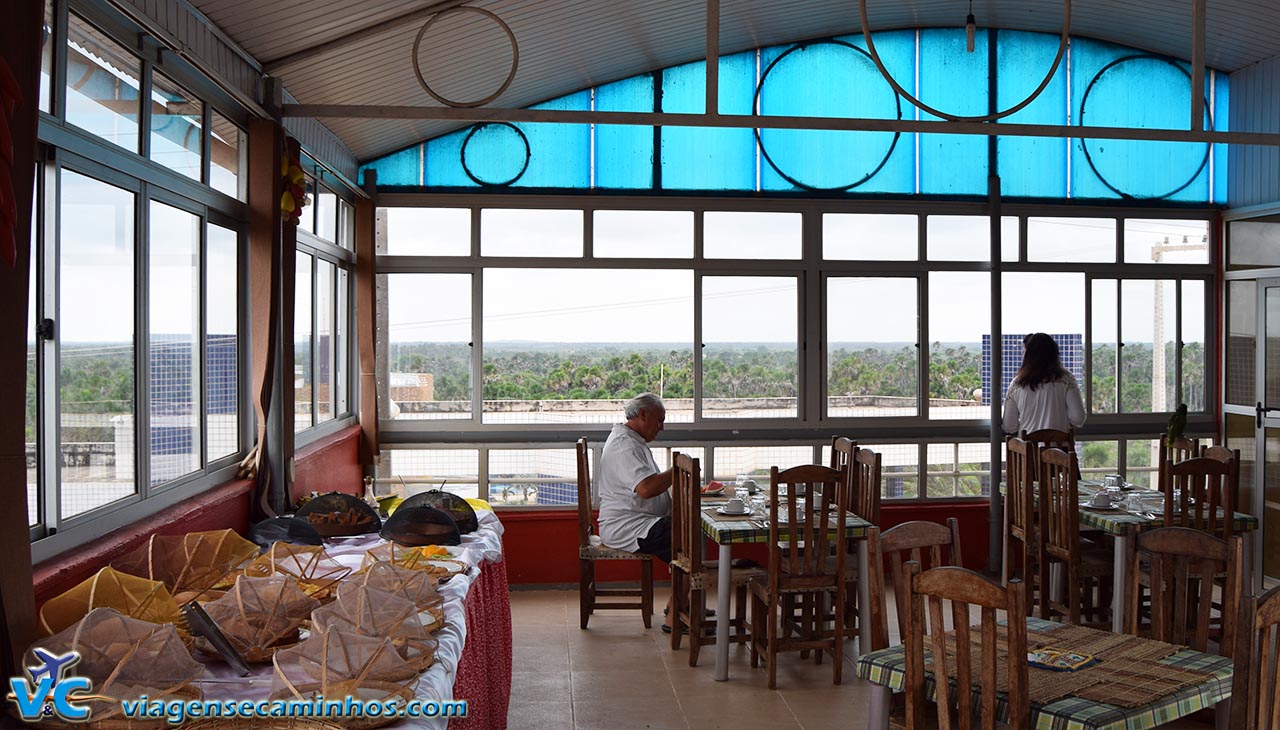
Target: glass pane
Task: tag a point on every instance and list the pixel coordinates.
(176, 127)
(959, 470)
(1074, 240)
(749, 355)
(346, 225)
(1009, 238)
(1252, 245)
(960, 238)
(429, 337)
(751, 235)
(1194, 385)
(95, 338)
(1242, 340)
(1241, 436)
(959, 320)
(859, 236)
(662, 456)
(1271, 504)
(533, 476)
(873, 363)
(307, 216)
(227, 149)
(1050, 303)
(899, 470)
(222, 376)
(1166, 241)
(531, 232)
(452, 470)
(734, 462)
(31, 423)
(427, 231)
(1102, 359)
(102, 85)
(174, 275)
(647, 234)
(571, 345)
(302, 372)
(1271, 357)
(327, 215)
(1098, 458)
(324, 341)
(1141, 456)
(341, 347)
(46, 57)
(1148, 326)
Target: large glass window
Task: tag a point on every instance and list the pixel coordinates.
(1074, 240)
(429, 333)
(959, 320)
(643, 234)
(751, 235)
(177, 119)
(324, 375)
(228, 147)
(97, 374)
(102, 82)
(749, 351)
(873, 362)
(530, 232)
(853, 236)
(426, 231)
(222, 372)
(174, 251)
(303, 376)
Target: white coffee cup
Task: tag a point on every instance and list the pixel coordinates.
(750, 485)
(735, 505)
(1101, 499)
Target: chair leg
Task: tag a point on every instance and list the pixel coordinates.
(697, 609)
(740, 612)
(586, 590)
(757, 629)
(678, 598)
(771, 655)
(646, 592)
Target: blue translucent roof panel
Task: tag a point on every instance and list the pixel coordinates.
(706, 158)
(624, 154)
(1031, 166)
(954, 81)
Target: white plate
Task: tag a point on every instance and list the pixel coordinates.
(1112, 508)
(449, 565)
(723, 511)
(713, 492)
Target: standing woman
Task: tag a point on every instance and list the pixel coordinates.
(1043, 394)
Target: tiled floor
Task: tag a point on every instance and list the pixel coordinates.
(617, 674)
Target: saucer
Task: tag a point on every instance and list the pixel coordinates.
(1099, 508)
(721, 510)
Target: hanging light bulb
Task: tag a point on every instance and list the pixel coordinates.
(970, 28)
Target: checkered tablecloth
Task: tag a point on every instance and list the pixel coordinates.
(1120, 522)
(888, 668)
(734, 529)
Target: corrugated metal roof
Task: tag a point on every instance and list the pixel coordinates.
(567, 45)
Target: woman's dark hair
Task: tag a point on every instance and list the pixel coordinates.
(1041, 362)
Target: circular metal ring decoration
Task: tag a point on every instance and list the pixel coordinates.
(462, 155)
(755, 104)
(1084, 142)
(515, 56)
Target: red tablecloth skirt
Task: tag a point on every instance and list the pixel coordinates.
(484, 672)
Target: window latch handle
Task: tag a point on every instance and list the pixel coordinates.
(44, 329)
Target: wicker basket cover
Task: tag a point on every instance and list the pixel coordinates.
(317, 573)
(259, 614)
(371, 612)
(189, 564)
(132, 596)
(415, 586)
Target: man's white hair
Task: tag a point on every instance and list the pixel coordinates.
(642, 403)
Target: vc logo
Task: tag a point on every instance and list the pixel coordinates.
(48, 692)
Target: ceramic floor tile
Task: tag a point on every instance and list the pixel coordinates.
(540, 715)
(551, 685)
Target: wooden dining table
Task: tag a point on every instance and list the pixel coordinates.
(1208, 685)
(730, 530)
(1123, 525)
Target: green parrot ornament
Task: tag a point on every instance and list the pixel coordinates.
(1177, 424)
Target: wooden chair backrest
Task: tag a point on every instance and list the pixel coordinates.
(819, 527)
(1021, 459)
(963, 587)
(586, 525)
(1059, 506)
(1255, 693)
(842, 451)
(1048, 438)
(867, 485)
(1183, 448)
(1204, 487)
(1183, 564)
(686, 511)
(927, 543)
(1229, 456)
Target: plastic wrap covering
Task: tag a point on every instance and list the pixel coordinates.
(132, 596)
(189, 565)
(417, 526)
(336, 515)
(125, 658)
(431, 559)
(259, 615)
(415, 586)
(457, 507)
(371, 612)
(317, 573)
(338, 665)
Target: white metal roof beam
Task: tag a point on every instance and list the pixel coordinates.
(356, 36)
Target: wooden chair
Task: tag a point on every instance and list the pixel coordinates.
(908, 542)
(818, 531)
(963, 587)
(1087, 570)
(1255, 685)
(1183, 564)
(1203, 486)
(862, 484)
(590, 550)
(1227, 456)
(689, 573)
(1048, 438)
(1183, 448)
(1022, 462)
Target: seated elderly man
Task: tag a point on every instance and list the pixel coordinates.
(635, 505)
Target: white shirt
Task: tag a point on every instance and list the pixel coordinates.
(625, 516)
(1053, 404)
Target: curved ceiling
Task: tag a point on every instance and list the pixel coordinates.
(344, 52)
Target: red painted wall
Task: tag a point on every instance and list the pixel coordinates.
(224, 506)
(542, 547)
(330, 464)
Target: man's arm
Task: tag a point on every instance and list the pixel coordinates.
(655, 484)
